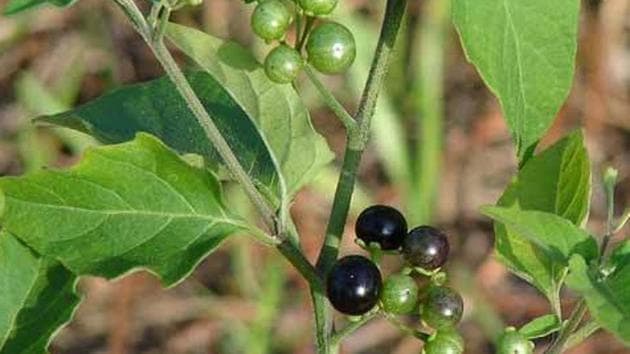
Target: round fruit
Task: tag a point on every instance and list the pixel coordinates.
(512, 342)
(331, 48)
(383, 225)
(399, 295)
(443, 307)
(283, 64)
(318, 7)
(446, 341)
(426, 247)
(271, 19)
(353, 285)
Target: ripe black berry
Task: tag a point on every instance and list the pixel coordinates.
(353, 285)
(383, 225)
(426, 247)
(443, 308)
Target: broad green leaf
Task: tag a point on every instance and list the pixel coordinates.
(607, 297)
(525, 52)
(122, 207)
(276, 110)
(541, 327)
(157, 108)
(15, 6)
(558, 181)
(557, 237)
(37, 297)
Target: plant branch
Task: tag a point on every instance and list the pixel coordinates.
(406, 329)
(173, 71)
(581, 334)
(351, 327)
(568, 329)
(352, 158)
(303, 266)
(332, 103)
(310, 21)
(394, 13)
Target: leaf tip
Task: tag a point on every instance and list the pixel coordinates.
(488, 210)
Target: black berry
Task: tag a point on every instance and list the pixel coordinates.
(383, 225)
(426, 247)
(353, 285)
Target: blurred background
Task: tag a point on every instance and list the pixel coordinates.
(440, 150)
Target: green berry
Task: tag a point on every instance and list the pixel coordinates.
(513, 342)
(446, 341)
(399, 295)
(318, 7)
(331, 48)
(443, 307)
(283, 64)
(271, 19)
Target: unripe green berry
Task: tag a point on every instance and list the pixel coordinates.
(399, 295)
(446, 341)
(513, 342)
(331, 48)
(318, 7)
(443, 307)
(271, 19)
(283, 64)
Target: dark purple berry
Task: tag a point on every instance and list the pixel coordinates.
(353, 285)
(426, 247)
(383, 225)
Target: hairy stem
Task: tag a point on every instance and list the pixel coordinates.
(352, 158)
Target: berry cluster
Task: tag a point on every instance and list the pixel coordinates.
(330, 46)
(355, 286)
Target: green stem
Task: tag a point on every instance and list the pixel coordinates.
(332, 103)
(581, 334)
(310, 21)
(338, 337)
(406, 329)
(306, 269)
(394, 13)
(568, 329)
(352, 158)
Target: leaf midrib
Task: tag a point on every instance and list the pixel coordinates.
(113, 212)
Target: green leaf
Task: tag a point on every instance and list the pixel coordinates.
(607, 297)
(276, 110)
(37, 297)
(123, 207)
(15, 6)
(558, 181)
(541, 327)
(557, 237)
(525, 52)
(157, 108)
